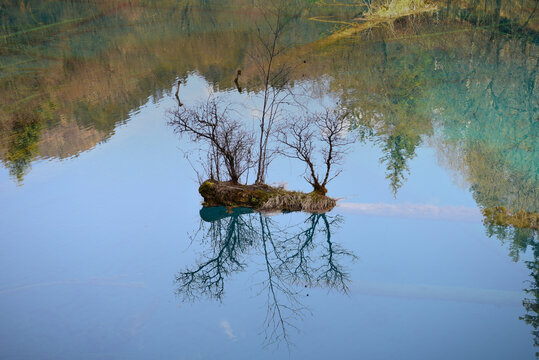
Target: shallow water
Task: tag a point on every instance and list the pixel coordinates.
(101, 220)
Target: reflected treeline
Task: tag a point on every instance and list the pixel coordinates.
(80, 69)
(506, 15)
(531, 304)
(289, 261)
(490, 129)
(86, 66)
(22, 146)
(519, 240)
(461, 78)
(469, 92)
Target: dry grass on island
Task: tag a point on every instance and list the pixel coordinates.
(263, 197)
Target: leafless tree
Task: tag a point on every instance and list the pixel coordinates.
(325, 135)
(274, 73)
(228, 143)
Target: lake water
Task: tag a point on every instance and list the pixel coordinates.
(106, 252)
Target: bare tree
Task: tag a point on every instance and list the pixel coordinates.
(228, 143)
(325, 133)
(273, 72)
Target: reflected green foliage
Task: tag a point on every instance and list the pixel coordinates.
(398, 150)
(462, 80)
(517, 239)
(22, 148)
(291, 259)
(520, 240)
(99, 62)
(22, 139)
(471, 93)
(492, 123)
(531, 304)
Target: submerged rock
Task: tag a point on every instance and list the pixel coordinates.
(216, 213)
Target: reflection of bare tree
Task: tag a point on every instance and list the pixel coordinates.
(283, 304)
(293, 259)
(301, 260)
(228, 239)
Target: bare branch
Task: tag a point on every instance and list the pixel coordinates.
(325, 133)
(228, 143)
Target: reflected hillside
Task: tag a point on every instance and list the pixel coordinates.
(288, 260)
(519, 241)
(462, 79)
(77, 69)
(80, 80)
(470, 93)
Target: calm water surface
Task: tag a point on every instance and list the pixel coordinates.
(106, 253)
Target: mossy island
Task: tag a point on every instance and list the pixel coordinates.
(262, 197)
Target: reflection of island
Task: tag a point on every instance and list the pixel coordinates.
(294, 259)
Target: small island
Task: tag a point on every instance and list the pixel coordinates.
(263, 197)
(319, 140)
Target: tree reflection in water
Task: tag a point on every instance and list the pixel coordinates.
(294, 258)
(518, 241)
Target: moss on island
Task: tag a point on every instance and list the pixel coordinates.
(262, 197)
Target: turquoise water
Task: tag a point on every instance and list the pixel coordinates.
(102, 225)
